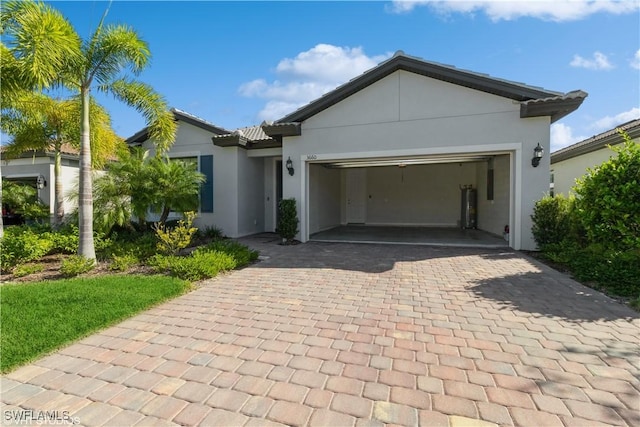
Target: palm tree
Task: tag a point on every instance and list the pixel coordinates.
(177, 186)
(40, 123)
(39, 41)
(102, 63)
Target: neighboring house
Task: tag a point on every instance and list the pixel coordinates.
(33, 164)
(392, 146)
(572, 162)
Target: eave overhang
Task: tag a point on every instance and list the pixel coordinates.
(597, 142)
(281, 129)
(556, 107)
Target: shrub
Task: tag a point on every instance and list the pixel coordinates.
(171, 241)
(287, 220)
(240, 253)
(76, 265)
(552, 220)
(123, 262)
(213, 232)
(22, 244)
(201, 264)
(607, 199)
(27, 269)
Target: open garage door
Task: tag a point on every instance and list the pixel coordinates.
(412, 193)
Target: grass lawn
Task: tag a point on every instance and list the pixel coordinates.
(39, 317)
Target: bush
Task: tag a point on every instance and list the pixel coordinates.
(240, 253)
(287, 220)
(213, 232)
(608, 201)
(201, 264)
(22, 244)
(552, 220)
(123, 262)
(76, 265)
(27, 269)
(171, 241)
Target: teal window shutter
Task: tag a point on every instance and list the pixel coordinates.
(206, 190)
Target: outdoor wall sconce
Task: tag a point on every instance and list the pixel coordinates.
(289, 165)
(537, 155)
(41, 182)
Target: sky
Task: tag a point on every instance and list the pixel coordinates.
(238, 63)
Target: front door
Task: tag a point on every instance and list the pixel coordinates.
(356, 195)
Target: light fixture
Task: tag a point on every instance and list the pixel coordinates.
(289, 165)
(41, 182)
(537, 155)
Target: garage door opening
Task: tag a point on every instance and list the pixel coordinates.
(413, 200)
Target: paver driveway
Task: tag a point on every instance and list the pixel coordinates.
(342, 334)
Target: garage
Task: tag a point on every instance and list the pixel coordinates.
(398, 145)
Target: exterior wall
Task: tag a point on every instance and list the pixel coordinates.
(493, 215)
(415, 115)
(269, 194)
(567, 171)
(324, 198)
(426, 195)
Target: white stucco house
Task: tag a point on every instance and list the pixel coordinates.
(572, 162)
(31, 165)
(392, 146)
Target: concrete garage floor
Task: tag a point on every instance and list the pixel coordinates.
(430, 236)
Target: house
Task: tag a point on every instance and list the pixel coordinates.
(572, 162)
(394, 146)
(36, 168)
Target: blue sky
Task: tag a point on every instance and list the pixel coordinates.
(238, 63)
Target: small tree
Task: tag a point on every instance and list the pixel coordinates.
(608, 199)
(288, 220)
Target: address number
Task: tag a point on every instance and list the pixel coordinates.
(312, 157)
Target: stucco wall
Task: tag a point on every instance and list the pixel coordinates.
(407, 114)
(567, 171)
(493, 215)
(324, 198)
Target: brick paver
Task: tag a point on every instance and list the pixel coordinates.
(342, 334)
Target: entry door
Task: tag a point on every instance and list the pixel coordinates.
(356, 195)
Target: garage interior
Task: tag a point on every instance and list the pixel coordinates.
(416, 200)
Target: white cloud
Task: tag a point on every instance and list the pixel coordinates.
(599, 62)
(635, 62)
(308, 76)
(562, 136)
(609, 122)
(547, 10)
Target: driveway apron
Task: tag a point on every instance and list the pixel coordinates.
(344, 334)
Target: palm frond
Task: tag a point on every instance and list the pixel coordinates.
(152, 105)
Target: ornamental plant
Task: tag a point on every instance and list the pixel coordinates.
(288, 220)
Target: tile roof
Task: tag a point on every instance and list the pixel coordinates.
(596, 142)
(66, 149)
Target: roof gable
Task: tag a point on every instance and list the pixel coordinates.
(180, 116)
(596, 142)
(556, 104)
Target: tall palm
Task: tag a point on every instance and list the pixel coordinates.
(41, 123)
(102, 63)
(39, 41)
(111, 52)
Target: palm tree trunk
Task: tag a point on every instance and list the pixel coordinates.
(85, 198)
(59, 204)
(165, 215)
(1, 222)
